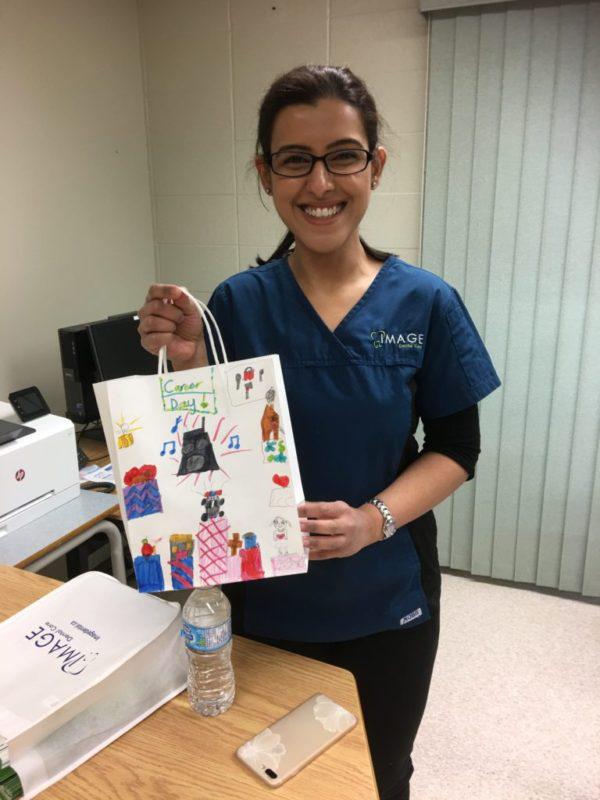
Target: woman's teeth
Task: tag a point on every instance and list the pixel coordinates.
(323, 212)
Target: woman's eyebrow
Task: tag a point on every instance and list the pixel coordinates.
(306, 148)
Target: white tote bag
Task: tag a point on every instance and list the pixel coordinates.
(70, 673)
(206, 471)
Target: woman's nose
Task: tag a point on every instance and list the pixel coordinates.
(319, 180)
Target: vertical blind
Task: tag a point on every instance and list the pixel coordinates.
(511, 219)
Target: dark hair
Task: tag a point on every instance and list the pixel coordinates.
(308, 84)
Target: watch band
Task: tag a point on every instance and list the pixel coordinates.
(389, 524)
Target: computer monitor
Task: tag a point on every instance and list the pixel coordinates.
(100, 350)
(117, 350)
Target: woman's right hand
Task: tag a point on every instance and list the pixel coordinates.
(170, 317)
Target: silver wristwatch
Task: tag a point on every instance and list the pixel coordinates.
(389, 525)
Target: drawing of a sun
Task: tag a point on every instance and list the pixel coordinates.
(125, 438)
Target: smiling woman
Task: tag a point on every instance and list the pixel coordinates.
(299, 118)
(368, 344)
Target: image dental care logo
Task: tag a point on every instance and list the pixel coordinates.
(407, 341)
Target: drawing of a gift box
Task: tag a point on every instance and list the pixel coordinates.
(141, 493)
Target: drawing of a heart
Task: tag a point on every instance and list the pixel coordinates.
(281, 480)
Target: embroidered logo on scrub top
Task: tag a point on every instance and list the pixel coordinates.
(405, 341)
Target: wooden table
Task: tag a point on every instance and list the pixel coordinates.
(175, 754)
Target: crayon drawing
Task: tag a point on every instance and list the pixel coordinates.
(234, 562)
(249, 382)
(197, 454)
(213, 537)
(274, 452)
(126, 431)
(182, 560)
(207, 475)
(141, 493)
(148, 569)
(212, 502)
(250, 554)
(192, 396)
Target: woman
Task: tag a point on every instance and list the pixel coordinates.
(368, 344)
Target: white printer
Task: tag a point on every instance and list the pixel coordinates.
(38, 472)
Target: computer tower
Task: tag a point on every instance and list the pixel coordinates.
(79, 373)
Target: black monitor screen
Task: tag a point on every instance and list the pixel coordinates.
(117, 349)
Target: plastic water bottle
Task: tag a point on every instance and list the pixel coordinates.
(207, 633)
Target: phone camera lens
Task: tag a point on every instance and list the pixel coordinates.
(270, 773)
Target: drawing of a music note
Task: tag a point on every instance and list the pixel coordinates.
(170, 444)
(234, 442)
(177, 421)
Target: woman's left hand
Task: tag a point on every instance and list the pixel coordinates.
(343, 530)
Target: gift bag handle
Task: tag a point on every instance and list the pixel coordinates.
(207, 319)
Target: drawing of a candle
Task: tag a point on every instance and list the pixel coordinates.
(182, 560)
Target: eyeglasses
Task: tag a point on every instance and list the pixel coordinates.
(293, 164)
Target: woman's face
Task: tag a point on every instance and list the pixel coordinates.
(329, 125)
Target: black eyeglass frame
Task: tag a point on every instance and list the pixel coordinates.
(269, 161)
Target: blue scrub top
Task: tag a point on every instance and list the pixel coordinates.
(407, 349)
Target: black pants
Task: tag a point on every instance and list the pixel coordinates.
(393, 671)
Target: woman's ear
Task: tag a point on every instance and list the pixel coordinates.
(264, 173)
(379, 159)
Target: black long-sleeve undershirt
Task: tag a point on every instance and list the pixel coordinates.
(456, 436)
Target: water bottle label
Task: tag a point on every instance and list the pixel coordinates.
(206, 640)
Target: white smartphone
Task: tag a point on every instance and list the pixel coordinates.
(285, 747)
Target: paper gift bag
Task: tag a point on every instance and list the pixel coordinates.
(79, 667)
(206, 471)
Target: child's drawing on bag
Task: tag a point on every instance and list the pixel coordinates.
(197, 454)
(280, 527)
(182, 560)
(251, 558)
(213, 536)
(148, 569)
(282, 496)
(234, 562)
(126, 431)
(249, 384)
(205, 466)
(285, 562)
(192, 396)
(141, 493)
(273, 443)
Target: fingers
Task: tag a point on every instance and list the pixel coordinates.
(325, 527)
(167, 293)
(322, 510)
(152, 342)
(322, 547)
(156, 308)
(152, 324)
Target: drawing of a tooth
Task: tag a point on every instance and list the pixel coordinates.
(238, 380)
